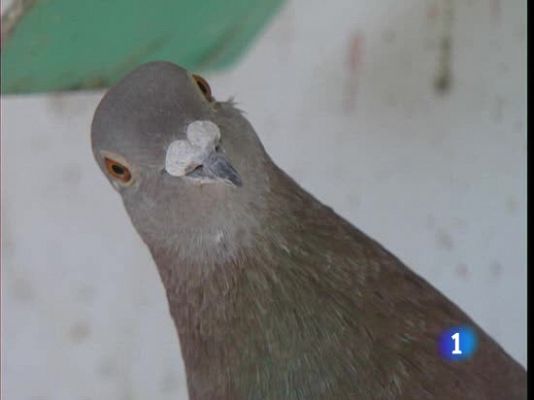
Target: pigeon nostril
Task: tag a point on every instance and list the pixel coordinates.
(198, 168)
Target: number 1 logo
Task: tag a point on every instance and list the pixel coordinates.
(456, 338)
(458, 343)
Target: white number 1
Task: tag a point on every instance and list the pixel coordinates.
(456, 338)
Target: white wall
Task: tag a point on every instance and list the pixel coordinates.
(343, 95)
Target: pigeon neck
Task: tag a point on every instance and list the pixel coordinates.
(241, 315)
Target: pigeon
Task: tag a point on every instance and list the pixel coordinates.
(273, 294)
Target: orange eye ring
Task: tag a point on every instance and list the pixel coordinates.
(203, 86)
(117, 170)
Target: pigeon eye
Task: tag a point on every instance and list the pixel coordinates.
(118, 171)
(203, 86)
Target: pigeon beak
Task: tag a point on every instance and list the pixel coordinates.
(199, 157)
(216, 166)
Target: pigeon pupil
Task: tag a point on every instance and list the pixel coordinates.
(203, 86)
(118, 169)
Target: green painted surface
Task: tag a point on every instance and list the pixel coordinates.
(78, 44)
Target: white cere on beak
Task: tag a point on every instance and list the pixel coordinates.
(183, 156)
(204, 134)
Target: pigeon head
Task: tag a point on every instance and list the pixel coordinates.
(185, 165)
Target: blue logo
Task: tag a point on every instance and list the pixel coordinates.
(458, 343)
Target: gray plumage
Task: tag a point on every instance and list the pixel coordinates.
(275, 296)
